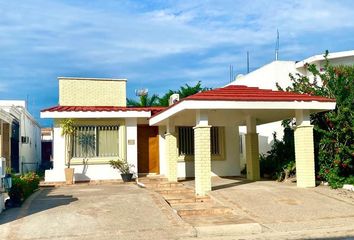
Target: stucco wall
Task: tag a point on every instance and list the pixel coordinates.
(30, 153)
(92, 92)
(93, 170)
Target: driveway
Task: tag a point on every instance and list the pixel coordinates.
(287, 211)
(117, 211)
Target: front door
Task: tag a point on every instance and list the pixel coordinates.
(148, 149)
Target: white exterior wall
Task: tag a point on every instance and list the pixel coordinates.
(162, 151)
(268, 75)
(30, 153)
(132, 143)
(91, 171)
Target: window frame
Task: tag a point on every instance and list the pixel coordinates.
(98, 159)
(214, 157)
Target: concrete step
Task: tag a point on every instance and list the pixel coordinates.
(174, 198)
(200, 209)
(152, 179)
(163, 185)
(174, 190)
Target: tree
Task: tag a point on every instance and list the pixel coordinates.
(144, 101)
(334, 130)
(183, 91)
(155, 100)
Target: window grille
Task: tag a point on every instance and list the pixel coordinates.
(186, 141)
(95, 141)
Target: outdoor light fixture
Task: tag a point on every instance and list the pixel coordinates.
(7, 182)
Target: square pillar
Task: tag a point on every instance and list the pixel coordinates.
(252, 156)
(252, 150)
(171, 152)
(202, 160)
(304, 150)
(202, 154)
(304, 156)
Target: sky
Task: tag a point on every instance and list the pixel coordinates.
(159, 45)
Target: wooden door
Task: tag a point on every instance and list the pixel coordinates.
(148, 149)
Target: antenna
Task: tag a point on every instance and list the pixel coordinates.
(248, 62)
(277, 47)
(232, 75)
(141, 92)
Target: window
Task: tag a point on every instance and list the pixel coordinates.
(186, 141)
(96, 141)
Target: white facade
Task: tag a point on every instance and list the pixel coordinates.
(29, 134)
(275, 72)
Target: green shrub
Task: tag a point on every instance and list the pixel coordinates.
(333, 130)
(279, 162)
(23, 186)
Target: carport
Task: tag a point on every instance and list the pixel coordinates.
(236, 106)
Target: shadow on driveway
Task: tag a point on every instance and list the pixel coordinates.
(38, 202)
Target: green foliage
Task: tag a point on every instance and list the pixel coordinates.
(122, 165)
(155, 100)
(23, 186)
(144, 101)
(334, 130)
(68, 131)
(279, 162)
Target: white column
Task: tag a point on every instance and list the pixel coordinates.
(252, 150)
(304, 150)
(132, 143)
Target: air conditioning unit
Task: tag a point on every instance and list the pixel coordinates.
(24, 139)
(173, 99)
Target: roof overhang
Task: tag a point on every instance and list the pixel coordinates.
(96, 114)
(312, 106)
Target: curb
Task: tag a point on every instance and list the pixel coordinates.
(229, 230)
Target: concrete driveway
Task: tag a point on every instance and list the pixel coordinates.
(289, 212)
(117, 211)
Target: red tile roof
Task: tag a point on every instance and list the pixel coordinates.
(153, 110)
(244, 93)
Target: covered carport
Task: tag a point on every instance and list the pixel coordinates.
(241, 105)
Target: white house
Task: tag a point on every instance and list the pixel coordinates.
(20, 143)
(195, 137)
(23, 153)
(269, 75)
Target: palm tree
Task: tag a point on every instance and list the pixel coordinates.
(183, 91)
(144, 101)
(68, 130)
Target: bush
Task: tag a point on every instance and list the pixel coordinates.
(22, 187)
(279, 163)
(333, 130)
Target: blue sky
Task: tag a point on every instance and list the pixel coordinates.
(160, 45)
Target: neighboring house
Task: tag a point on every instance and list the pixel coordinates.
(47, 148)
(5, 126)
(195, 137)
(275, 72)
(21, 139)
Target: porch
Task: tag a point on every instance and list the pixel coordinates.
(229, 108)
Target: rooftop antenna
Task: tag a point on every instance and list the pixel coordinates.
(231, 73)
(277, 47)
(248, 62)
(141, 92)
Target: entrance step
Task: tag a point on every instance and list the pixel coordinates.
(200, 209)
(163, 184)
(189, 197)
(174, 190)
